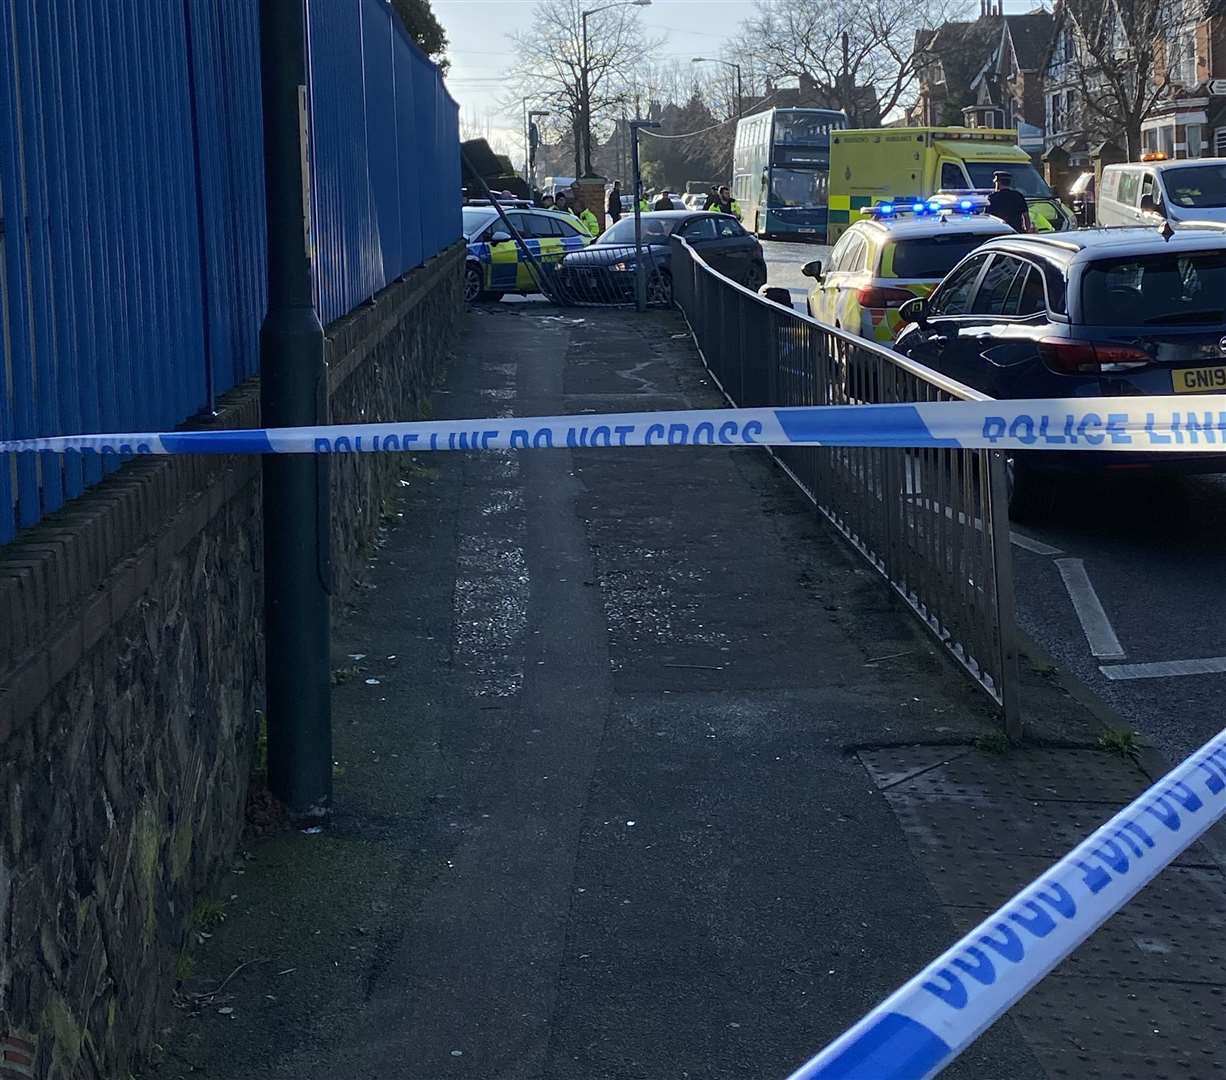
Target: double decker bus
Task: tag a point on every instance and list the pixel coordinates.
(780, 165)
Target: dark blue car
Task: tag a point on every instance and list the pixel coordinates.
(1087, 313)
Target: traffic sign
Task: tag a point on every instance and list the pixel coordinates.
(1217, 87)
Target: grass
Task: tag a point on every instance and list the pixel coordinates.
(208, 915)
(1122, 741)
(184, 966)
(996, 742)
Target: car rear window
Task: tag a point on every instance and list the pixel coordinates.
(933, 256)
(1168, 289)
(656, 230)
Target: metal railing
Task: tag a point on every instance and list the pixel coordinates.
(932, 521)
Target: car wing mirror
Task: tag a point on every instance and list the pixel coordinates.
(914, 310)
(499, 237)
(812, 269)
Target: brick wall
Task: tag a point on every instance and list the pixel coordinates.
(131, 654)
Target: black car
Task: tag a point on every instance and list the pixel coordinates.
(606, 269)
(1089, 313)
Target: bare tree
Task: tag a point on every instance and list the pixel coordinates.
(1123, 55)
(861, 55)
(551, 65)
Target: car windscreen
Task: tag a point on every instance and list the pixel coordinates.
(796, 187)
(1196, 186)
(475, 219)
(933, 256)
(1025, 176)
(656, 230)
(1167, 289)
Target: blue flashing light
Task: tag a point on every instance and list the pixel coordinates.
(966, 204)
(885, 209)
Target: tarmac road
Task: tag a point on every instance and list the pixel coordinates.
(1150, 549)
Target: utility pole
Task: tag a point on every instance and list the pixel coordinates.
(293, 392)
(585, 91)
(640, 280)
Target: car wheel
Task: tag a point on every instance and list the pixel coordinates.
(756, 277)
(1030, 492)
(660, 289)
(473, 282)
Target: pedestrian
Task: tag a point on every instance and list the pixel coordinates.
(546, 202)
(614, 207)
(1007, 204)
(664, 202)
(589, 221)
(560, 203)
(724, 203)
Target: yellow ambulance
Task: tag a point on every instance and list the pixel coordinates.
(878, 164)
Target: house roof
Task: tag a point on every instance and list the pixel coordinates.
(1030, 34)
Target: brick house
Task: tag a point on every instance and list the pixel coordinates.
(1008, 88)
(1189, 119)
(948, 59)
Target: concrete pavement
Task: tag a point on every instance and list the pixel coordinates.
(601, 813)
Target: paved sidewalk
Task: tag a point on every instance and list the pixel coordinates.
(609, 803)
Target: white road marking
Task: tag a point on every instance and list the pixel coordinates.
(1164, 669)
(1098, 630)
(1030, 544)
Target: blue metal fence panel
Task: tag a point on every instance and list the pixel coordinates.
(132, 246)
(132, 229)
(385, 152)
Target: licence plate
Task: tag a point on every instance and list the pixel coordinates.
(1199, 380)
(806, 230)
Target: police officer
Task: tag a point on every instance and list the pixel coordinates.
(1007, 204)
(722, 202)
(644, 204)
(589, 221)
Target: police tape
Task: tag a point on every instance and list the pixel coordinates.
(923, 1026)
(1162, 424)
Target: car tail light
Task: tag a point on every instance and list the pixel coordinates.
(871, 296)
(1070, 357)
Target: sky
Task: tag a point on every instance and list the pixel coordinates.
(480, 50)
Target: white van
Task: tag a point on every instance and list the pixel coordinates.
(1180, 191)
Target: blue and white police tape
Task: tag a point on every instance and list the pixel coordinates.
(923, 1026)
(1165, 424)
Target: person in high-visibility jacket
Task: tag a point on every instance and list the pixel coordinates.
(589, 221)
(1039, 219)
(722, 202)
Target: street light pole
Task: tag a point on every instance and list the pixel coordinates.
(726, 63)
(293, 393)
(585, 92)
(532, 114)
(640, 280)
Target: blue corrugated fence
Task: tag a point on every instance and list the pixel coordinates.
(386, 147)
(132, 232)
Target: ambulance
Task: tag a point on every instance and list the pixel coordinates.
(875, 165)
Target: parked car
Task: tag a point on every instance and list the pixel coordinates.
(606, 270)
(1093, 312)
(495, 263)
(883, 261)
(1179, 191)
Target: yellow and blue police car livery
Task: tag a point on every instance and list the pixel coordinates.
(497, 267)
(899, 249)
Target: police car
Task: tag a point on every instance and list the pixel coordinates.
(495, 263)
(900, 249)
